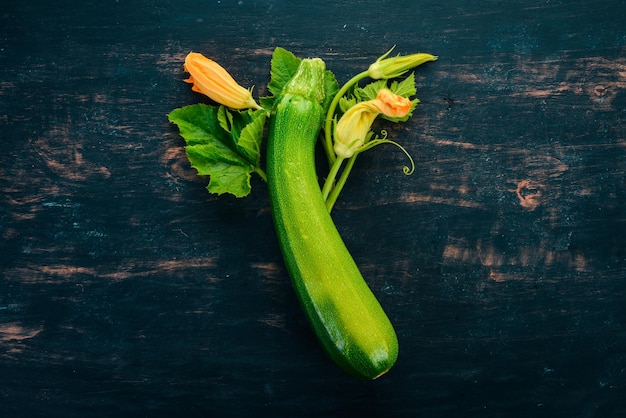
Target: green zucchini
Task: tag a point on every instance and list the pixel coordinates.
(344, 313)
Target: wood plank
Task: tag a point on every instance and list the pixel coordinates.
(125, 287)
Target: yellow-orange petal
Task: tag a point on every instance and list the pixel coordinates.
(212, 80)
(392, 105)
(353, 128)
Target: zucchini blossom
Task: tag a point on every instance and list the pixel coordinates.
(212, 80)
(353, 129)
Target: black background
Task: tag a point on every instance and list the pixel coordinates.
(126, 289)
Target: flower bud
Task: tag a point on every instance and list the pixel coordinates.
(385, 68)
(212, 80)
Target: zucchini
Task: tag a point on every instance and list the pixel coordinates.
(342, 310)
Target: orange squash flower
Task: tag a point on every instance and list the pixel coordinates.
(212, 80)
(353, 128)
(392, 105)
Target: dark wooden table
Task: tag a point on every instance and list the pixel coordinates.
(127, 290)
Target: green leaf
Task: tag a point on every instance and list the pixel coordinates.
(346, 103)
(245, 129)
(283, 68)
(267, 102)
(331, 87)
(222, 144)
(228, 172)
(251, 136)
(194, 123)
(225, 119)
(405, 88)
(370, 91)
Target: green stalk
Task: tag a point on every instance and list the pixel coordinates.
(331, 199)
(330, 180)
(261, 173)
(330, 115)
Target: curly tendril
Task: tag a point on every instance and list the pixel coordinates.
(407, 170)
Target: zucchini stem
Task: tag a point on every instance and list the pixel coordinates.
(329, 184)
(261, 173)
(330, 115)
(331, 191)
(334, 194)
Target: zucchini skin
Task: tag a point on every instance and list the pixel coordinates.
(345, 315)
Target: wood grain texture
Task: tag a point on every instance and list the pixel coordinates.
(125, 287)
